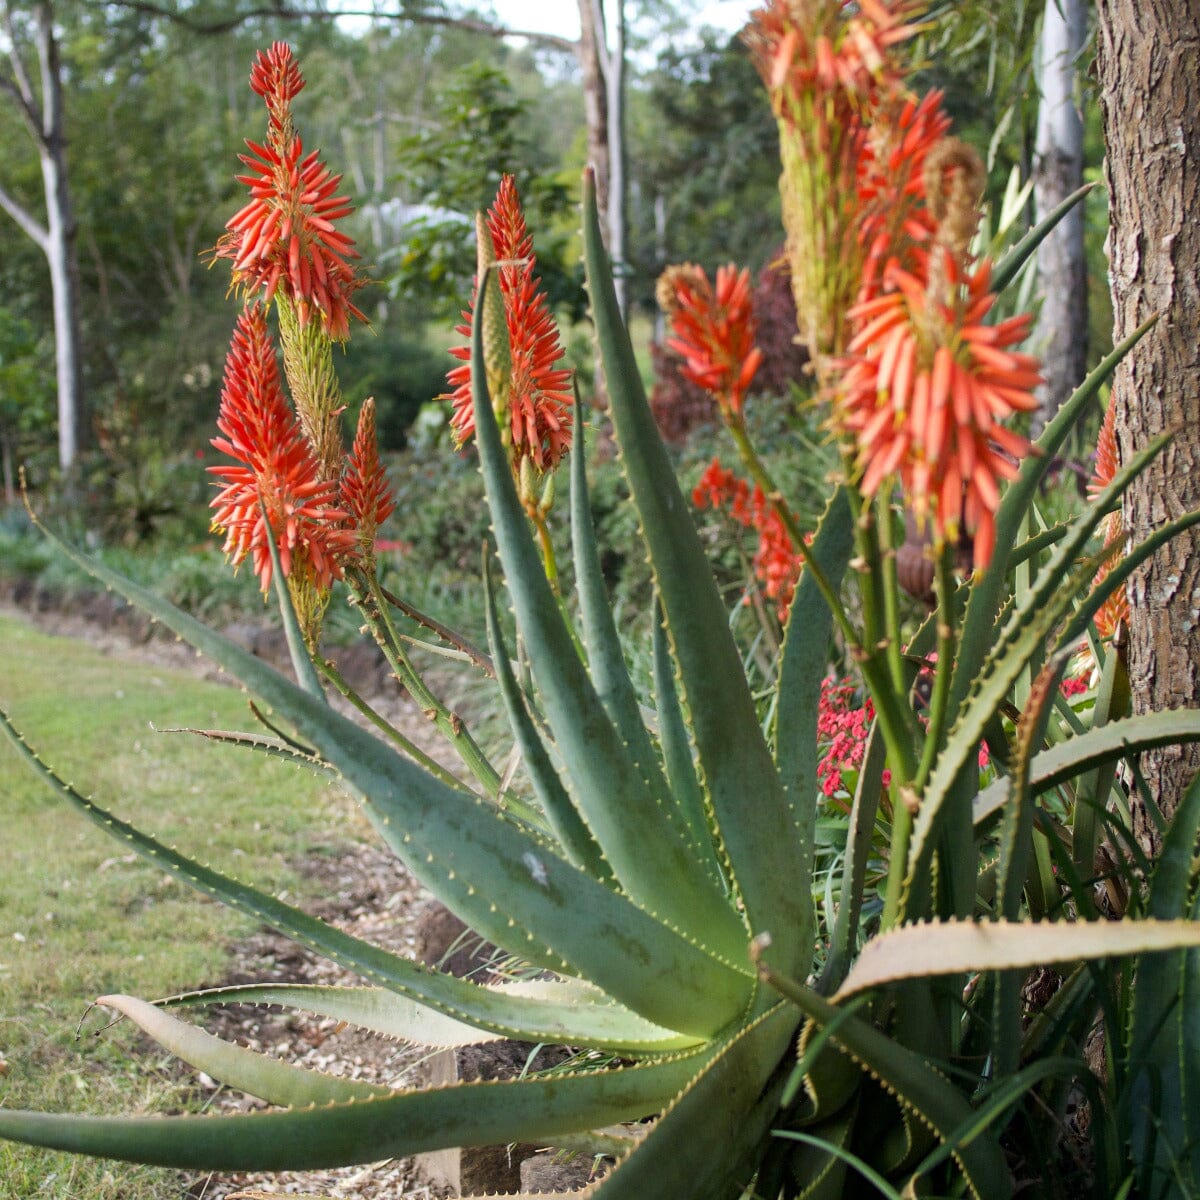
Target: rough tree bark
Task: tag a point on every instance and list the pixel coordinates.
(43, 116)
(1061, 334)
(1147, 55)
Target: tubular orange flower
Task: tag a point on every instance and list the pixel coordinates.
(926, 388)
(285, 239)
(535, 396)
(276, 484)
(714, 331)
(365, 491)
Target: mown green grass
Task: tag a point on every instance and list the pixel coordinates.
(80, 916)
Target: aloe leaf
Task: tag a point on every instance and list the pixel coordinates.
(256, 1074)
(573, 835)
(801, 670)
(685, 791)
(377, 1009)
(752, 813)
(267, 746)
(912, 1080)
(836, 1149)
(704, 1145)
(606, 658)
(1006, 270)
(1163, 1052)
(535, 1108)
(604, 1024)
(1023, 634)
(954, 947)
(1100, 745)
(648, 854)
(858, 852)
(466, 853)
(990, 590)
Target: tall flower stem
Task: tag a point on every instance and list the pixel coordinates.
(372, 604)
(762, 477)
(891, 592)
(939, 699)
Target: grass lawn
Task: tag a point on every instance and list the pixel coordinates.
(80, 916)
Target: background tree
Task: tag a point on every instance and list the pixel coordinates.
(1147, 52)
(1061, 331)
(41, 108)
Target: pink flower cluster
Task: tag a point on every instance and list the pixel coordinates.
(842, 729)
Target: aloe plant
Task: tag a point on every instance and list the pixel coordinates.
(769, 1036)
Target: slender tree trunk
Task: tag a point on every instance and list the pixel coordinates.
(603, 71)
(1061, 335)
(44, 117)
(1147, 56)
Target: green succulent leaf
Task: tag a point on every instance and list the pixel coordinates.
(257, 1074)
(572, 834)
(603, 1025)
(466, 852)
(802, 668)
(606, 658)
(1007, 269)
(759, 838)
(960, 947)
(270, 747)
(913, 1081)
(706, 1143)
(642, 843)
(535, 1108)
(1104, 744)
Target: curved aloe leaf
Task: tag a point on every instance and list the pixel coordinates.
(686, 793)
(704, 1144)
(573, 835)
(488, 1009)
(465, 851)
(1164, 1040)
(606, 659)
(1105, 744)
(801, 671)
(260, 744)
(257, 1074)
(535, 1108)
(1010, 265)
(752, 813)
(912, 1080)
(646, 850)
(377, 1009)
(955, 947)
(990, 590)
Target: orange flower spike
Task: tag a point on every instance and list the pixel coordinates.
(538, 402)
(277, 473)
(365, 491)
(714, 332)
(284, 238)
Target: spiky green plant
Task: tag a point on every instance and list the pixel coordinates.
(660, 881)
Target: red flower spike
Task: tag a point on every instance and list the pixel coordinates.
(276, 484)
(275, 76)
(538, 403)
(284, 239)
(365, 491)
(714, 332)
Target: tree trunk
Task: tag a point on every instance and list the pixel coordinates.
(44, 119)
(1061, 335)
(1147, 55)
(603, 71)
